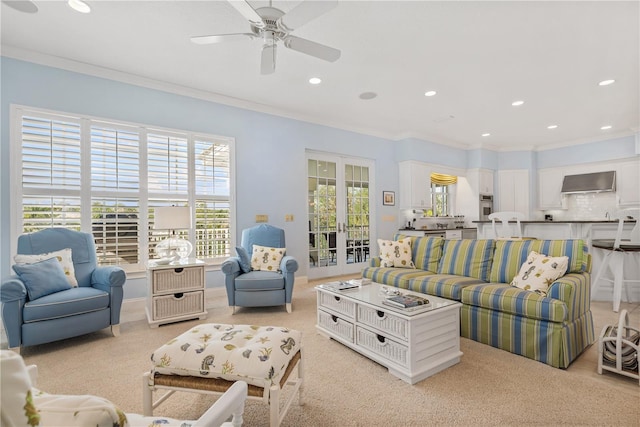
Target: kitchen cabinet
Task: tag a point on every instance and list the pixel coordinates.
(415, 185)
(481, 181)
(513, 191)
(549, 189)
(628, 183)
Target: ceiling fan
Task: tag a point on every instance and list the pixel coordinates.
(273, 25)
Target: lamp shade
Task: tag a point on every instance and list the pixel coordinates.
(172, 218)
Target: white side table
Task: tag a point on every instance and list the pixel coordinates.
(175, 292)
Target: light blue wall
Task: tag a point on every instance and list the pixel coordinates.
(270, 150)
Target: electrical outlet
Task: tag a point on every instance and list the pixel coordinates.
(262, 218)
(288, 217)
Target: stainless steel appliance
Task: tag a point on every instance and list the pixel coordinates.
(486, 206)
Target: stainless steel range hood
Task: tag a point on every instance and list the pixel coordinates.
(589, 182)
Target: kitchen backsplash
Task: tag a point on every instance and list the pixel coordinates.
(587, 206)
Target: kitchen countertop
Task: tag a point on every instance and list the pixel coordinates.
(438, 229)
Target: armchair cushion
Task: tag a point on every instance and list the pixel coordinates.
(260, 281)
(65, 303)
(244, 260)
(266, 258)
(82, 410)
(63, 256)
(42, 278)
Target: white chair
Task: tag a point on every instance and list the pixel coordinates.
(623, 248)
(21, 403)
(506, 230)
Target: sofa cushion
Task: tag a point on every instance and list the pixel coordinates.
(398, 277)
(266, 258)
(395, 253)
(509, 299)
(508, 256)
(42, 278)
(64, 257)
(426, 251)
(442, 285)
(467, 257)
(78, 300)
(539, 271)
(577, 251)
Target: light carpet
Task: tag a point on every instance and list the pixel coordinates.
(343, 388)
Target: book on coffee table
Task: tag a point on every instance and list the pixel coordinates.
(341, 286)
(408, 302)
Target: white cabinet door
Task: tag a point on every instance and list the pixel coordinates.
(415, 185)
(513, 191)
(485, 182)
(628, 183)
(549, 187)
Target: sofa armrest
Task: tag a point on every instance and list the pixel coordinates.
(574, 289)
(12, 289)
(108, 277)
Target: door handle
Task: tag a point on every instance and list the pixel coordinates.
(339, 230)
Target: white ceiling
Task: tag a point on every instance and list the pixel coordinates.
(479, 56)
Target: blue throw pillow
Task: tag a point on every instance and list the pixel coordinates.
(42, 278)
(245, 261)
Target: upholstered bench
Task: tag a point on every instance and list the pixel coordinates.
(209, 358)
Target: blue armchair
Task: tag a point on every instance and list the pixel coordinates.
(93, 305)
(260, 288)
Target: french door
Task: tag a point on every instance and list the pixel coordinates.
(339, 212)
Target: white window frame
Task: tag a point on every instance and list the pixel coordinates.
(85, 193)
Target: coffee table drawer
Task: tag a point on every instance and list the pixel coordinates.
(382, 345)
(340, 327)
(384, 321)
(337, 304)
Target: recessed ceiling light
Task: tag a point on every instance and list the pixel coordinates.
(368, 95)
(486, 134)
(606, 82)
(79, 6)
(552, 126)
(517, 103)
(315, 80)
(607, 127)
(430, 93)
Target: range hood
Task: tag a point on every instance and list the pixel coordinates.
(589, 182)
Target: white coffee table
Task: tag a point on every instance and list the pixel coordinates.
(412, 345)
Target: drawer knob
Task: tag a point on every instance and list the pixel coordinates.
(335, 319)
(179, 295)
(381, 339)
(178, 270)
(381, 314)
(337, 298)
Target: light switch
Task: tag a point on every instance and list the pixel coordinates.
(262, 218)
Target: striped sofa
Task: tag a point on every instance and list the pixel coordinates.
(552, 329)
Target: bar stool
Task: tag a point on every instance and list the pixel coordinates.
(505, 230)
(622, 248)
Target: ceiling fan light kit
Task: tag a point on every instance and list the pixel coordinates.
(273, 25)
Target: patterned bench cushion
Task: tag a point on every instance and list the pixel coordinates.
(258, 355)
(509, 299)
(391, 276)
(467, 257)
(442, 285)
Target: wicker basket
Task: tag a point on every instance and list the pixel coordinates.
(178, 304)
(382, 345)
(384, 321)
(340, 327)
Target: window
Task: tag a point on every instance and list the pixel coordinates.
(440, 199)
(107, 178)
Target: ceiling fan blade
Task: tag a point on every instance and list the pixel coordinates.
(26, 6)
(305, 12)
(312, 48)
(219, 38)
(248, 12)
(268, 61)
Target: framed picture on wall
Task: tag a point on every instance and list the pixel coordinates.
(388, 198)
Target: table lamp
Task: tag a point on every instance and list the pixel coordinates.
(173, 218)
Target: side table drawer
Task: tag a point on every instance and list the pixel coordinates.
(165, 306)
(384, 321)
(336, 325)
(382, 345)
(337, 304)
(178, 279)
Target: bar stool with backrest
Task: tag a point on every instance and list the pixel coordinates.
(504, 231)
(618, 251)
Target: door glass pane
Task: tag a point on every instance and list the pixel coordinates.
(322, 213)
(357, 214)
